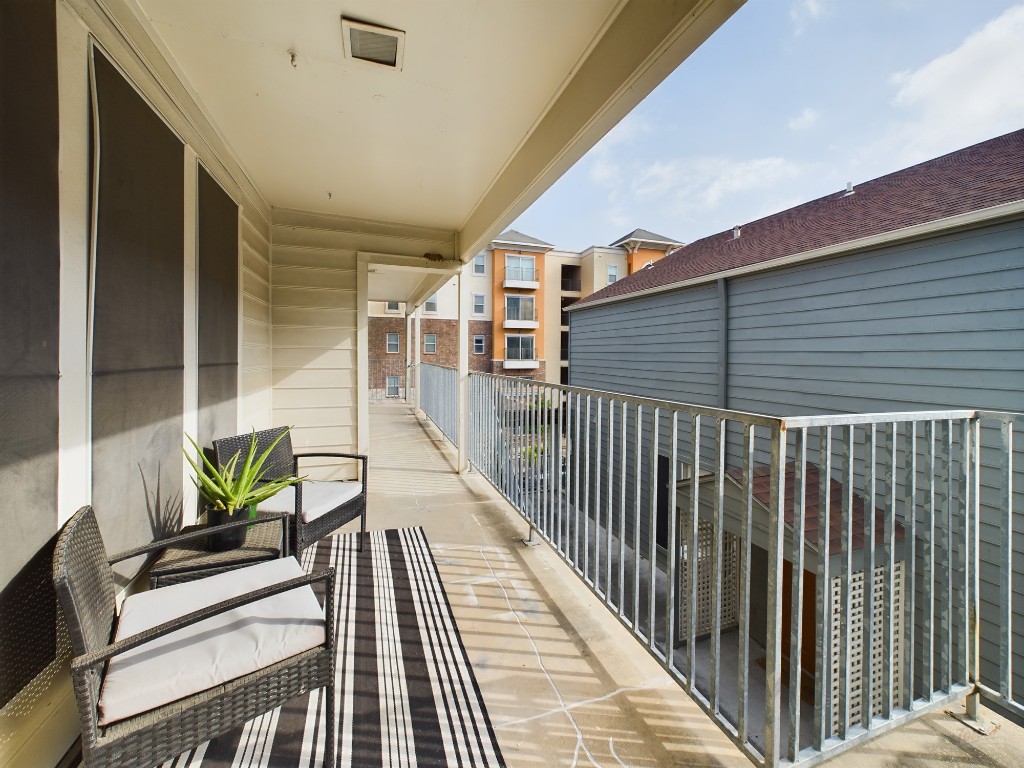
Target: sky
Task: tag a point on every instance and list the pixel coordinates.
(788, 101)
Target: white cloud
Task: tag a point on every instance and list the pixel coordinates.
(803, 12)
(700, 185)
(967, 95)
(806, 119)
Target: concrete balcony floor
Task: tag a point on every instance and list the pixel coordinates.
(564, 683)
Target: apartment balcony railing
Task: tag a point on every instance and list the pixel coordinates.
(438, 397)
(521, 274)
(527, 314)
(689, 523)
(572, 284)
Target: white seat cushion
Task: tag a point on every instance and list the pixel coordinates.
(212, 651)
(318, 497)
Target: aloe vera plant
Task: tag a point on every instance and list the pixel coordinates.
(225, 488)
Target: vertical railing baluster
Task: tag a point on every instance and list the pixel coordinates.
(1004, 494)
(672, 562)
(637, 454)
(929, 618)
(576, 482)
(796, 601)
(846, 566)
(870, 542)
(622, 519)
(776, 554)
(652, 535)
(910, 572)
(946, 619)
(611, 501)
(692, 554)
(823, 596)
(746, 532)
(889, 540)
(717, 535)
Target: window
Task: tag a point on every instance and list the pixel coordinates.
(478, 345)
(519, 268)
(431, 304)
(519, 308)
(478, 303)
(613, 273)
(430, 343)
(519, 348)
(392, 343)
(392, 306)
(480, 264)
(392, 387)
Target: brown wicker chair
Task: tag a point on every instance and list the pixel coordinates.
(104, 670)
(318, 507)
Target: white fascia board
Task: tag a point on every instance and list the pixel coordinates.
(938, 226)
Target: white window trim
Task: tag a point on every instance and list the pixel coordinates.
(483, 304)
(398, 343)
(425, 350)
(426, 305)
(520, 298)
(387, 307)
(480, 259)
(533, 339)
(521, 278)
(483, 345)
(613, 273)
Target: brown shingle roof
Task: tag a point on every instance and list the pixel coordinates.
(980, 176)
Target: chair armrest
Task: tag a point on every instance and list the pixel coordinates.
(82, 663)
(182, 537)
(330, 455)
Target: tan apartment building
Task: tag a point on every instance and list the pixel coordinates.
(518, 289)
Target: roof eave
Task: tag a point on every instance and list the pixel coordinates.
(970, 218)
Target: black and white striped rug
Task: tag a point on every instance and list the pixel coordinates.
(406, 694)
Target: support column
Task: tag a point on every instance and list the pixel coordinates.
(362, 357)
(409, 346)
(417, 347)
(462, 396)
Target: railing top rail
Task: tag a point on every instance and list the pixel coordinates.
(442, 367)
(1017, 418)
(856, 419)
(755, 419)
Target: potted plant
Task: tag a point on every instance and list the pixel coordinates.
(232, 492)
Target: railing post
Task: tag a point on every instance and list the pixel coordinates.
(776, 540)
(417, 346)
(972, 468)
(462, 377)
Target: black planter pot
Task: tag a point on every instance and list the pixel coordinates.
(230, 539)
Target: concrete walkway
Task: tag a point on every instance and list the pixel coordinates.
(564, 682)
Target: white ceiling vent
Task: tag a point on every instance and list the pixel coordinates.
(379, 46)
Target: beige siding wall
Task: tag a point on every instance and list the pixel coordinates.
(255, 363)
(314, 350)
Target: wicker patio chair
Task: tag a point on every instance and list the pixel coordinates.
(143, 680)
(318, 507)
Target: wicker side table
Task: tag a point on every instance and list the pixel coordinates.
(189, 560)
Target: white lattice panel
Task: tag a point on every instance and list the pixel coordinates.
(855, 637)
(705, 578)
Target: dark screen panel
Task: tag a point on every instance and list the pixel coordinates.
(29, 319)
(138, 317)
(218, 310)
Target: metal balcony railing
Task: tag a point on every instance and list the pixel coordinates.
(572, 284)
(689, 523)
(520, 353)
(523, 274)
(521, 313)
(439, 397)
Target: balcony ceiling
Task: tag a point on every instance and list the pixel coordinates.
(495, 99)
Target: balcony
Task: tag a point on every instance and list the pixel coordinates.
(572, 285)
(522, 278)
(521, 317)
(568, 462)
